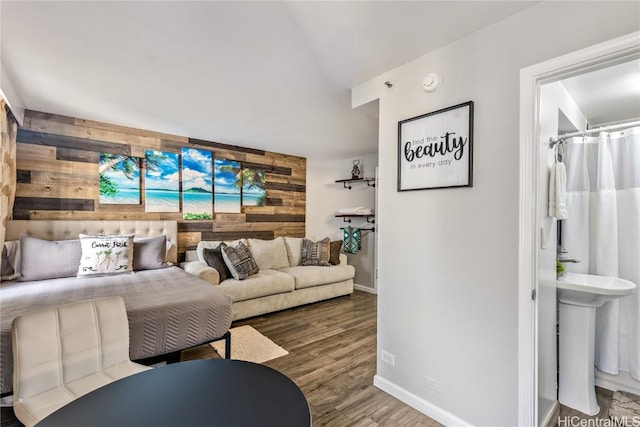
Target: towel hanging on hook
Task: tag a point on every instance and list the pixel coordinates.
(560, 150)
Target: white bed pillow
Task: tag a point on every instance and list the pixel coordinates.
(106, 255)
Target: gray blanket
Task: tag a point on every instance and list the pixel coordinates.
(168, 309)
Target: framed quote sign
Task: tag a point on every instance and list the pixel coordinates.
(435, 150)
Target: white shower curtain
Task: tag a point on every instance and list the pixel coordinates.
(603, 231)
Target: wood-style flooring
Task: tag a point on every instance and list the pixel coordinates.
(332, 358)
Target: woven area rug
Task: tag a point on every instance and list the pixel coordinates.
(625, 409)
(250, 345)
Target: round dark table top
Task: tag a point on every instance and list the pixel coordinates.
(205, 393)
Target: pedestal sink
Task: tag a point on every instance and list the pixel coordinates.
(579, 296)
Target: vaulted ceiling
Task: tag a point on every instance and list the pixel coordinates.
(269, 75)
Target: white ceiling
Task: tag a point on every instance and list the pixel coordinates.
(269, 75)
(609, 94)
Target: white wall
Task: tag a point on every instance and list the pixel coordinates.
(448, 259)
(553, 98)
(8, 92)
(325, 197)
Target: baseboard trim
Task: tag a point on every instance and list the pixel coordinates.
(621, 382)
(365, 289)
(427, 408)
(552, 416)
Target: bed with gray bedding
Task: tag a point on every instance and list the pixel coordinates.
(168, 309)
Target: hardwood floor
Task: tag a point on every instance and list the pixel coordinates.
(332, 358)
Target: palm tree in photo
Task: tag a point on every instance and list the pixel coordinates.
(253, 178)
(128, 165)
(234, 169)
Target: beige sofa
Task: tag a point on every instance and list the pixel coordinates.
(281, 282)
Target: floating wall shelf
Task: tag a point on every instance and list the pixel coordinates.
(371, 182)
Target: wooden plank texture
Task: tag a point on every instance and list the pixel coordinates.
(53, 140)
(57, 162)
(53, 204)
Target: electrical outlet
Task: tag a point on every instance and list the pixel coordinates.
(388, 358)
(433, 385)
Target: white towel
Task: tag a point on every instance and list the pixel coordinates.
(358, 210)
(558, 191)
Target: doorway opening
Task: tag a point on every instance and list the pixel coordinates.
(537, 240)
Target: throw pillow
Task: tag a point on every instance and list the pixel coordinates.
(214, 259)
(334, 252)
(44, 259)
(6, 269)
(294, 247)
(12, 261)
(149, 253)
(269, 254)
(240, 261)
(315, 253)
(106, 255)
(211, 244)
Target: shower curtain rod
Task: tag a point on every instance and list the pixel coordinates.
(620, 126)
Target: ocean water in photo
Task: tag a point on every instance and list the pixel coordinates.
(125, 196)
(162, 201)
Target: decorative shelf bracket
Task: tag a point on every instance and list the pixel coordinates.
(344, 219)
(371, 182)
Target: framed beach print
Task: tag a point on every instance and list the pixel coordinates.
(119, 179)
(435, 150)
(197, 187)
(162, 181)
(253, 187)
(227, 186)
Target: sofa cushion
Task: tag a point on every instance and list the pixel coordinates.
(308, 276)
(240, 261)
(315, 253)
(334, 252)
(149, 253)
(294, 246)
(104, 255)
(211, 244)
(269, 254)
(44, 259)
(264, 283)
(215, 260)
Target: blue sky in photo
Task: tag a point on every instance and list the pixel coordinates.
(224, 181)
(167, 177)
(121, 180)
(196, 169)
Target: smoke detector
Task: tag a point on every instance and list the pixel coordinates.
(432, 82)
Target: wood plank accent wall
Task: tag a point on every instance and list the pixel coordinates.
(57, 162)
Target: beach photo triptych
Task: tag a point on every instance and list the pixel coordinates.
(207, 185)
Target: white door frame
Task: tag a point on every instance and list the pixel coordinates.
(531, 78)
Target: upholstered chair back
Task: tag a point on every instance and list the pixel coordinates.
(62, 353)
